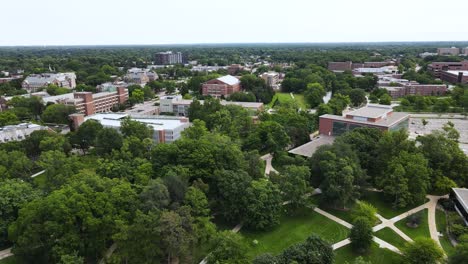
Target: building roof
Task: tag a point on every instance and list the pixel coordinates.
(371, 111)
(462, 196)
(156, 122)
(309, 148)
(389, 121)
(455, 72)
(229, 79)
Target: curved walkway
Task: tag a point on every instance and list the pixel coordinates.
(268, 168)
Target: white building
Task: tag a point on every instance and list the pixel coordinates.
(36, 81)
(18, 132)
(271, 79)
(166, 128)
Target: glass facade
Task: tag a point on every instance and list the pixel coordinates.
(402, 125)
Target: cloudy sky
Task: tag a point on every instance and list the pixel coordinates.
(101, 22)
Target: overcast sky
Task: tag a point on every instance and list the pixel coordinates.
(103, 22)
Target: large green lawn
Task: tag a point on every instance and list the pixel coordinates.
(441, 222)
(388, 235)
(421, 231)
(384, 208)
(9, 260)
(376, 255)
(294, 228)
(284, 98)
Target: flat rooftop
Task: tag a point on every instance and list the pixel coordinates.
(371, 111)
(309, 148)
(462, 193)
(389, 121)
(465, 73)
(156, 122)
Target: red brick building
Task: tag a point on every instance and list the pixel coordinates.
(437, 67)
(222, 86)
(349, 65)
(454, 76)
(416, 89)
(376, 116)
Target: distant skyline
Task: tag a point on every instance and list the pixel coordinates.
(148, 22)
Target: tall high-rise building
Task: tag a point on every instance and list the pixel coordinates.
(168, 57)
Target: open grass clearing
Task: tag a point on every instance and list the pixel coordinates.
(384, 207)
(421, 231)
(294, 228)
(375, 255)
(389, 236)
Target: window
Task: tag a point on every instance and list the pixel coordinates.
(339, 128)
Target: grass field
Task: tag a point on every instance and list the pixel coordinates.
(388, 235)
(285, 98)
(9, 260)
(384, 208)
(421, 231)
(376, 255)
(294, 228)
(441, 222)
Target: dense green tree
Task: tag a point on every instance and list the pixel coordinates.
(58, 168)
(154, 196)
(242, 97)
(176, 233)
(422, 251)
(357, 97)
(338, 103)
(85, 136)
(230, 194)
(266, 258)
(361, 235)
(230, 248)
(138, 96)
(268, 137)
(313, 250)
(364, 210)
(14, 194)
(460, 255)
(255, 166)
(385, 99)
(263, 205)
(107, 140)
(8, 118)
(58, 113)
(80, 217)
(406, 180)
(258, 87)
(294, 184)
(134, 128)
(314, 94)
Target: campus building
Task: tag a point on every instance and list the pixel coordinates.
(459, 196)
(271, 79)
(88, 103)
(175, 104)
(349, 65)
(35, 81)
(436, 68)
(221, 86)
(448, 51)
(18, 132)
(372, 115)
(455, 76)
(168, 57)
(166, 129)
(140, 76)
(415, 89)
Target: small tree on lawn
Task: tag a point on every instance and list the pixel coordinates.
(365, 210)
(422, 251)
(361, 235)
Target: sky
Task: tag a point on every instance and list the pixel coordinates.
(122, 22)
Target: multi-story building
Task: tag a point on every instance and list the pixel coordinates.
(464, 51)
(168, 57)
(376, 116)
(18, 132)
(140, 76)
(454, 76)
(166, 129)
(437, 67)
(459, 196)
(416, 89)
(10, 78)
(271, 78)
(349, 65)
(175, 104)
(448, 51)
(35, 81)
(88, 103)
(234, 69)
(221, 86)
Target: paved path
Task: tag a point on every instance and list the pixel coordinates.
(334, 218)
(268, 167)
(383, 244)
(37, 174)
(431, 206)
(342, 243)
(5, 253)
